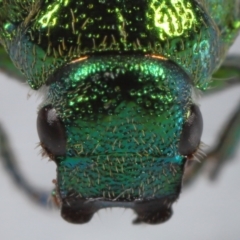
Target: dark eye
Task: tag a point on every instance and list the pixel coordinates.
(51, 132)
(192, 132)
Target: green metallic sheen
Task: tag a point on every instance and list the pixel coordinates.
(122, 124)
(120, 75)
(65, 30)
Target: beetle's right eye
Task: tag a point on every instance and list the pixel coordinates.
(192, 132)
(51, 132)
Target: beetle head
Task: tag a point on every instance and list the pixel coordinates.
(120, 129)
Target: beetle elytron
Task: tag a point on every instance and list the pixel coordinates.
(119, 116)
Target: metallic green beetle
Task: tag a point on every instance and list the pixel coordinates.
(119, 116)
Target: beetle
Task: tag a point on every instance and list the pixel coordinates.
(208, 208)
(114, 119)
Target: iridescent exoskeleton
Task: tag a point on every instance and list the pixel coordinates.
(119, 116)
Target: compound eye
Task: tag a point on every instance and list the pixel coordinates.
(51, 132)
(192, 132)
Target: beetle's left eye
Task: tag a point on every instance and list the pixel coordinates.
(51, 132)
(192, 132)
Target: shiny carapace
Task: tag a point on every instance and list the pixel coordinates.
(119, 117)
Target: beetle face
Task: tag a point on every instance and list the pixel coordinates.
(120, 129)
